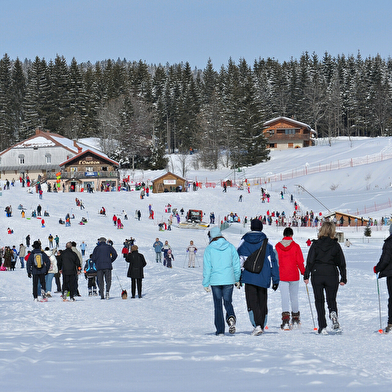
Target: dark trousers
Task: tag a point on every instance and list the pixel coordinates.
(69, 284)
(389, 286)
(225, 293)
(57, 280)
(256, 301)
(330, 285)
(38, 278)
(91, 282)
(107, 273)
(136, 282)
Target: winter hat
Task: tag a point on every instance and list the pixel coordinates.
(215, 232)
(102, 239)
(256, 225)
(390, 229)
(36, 245)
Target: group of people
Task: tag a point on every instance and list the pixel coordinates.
(225, 266)
(166, 249)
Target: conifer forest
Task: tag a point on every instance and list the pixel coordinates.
(142, 111)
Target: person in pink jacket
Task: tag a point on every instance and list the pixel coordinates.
(291, 263)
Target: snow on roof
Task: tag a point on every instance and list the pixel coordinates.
(38, 141)
(282, 118)
(65, 142)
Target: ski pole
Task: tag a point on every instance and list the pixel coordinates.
(311, 310)
(379, 303)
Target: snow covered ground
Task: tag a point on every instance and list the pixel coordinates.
(165, 341)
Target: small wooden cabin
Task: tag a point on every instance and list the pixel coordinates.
(169, 182)
(346, 219)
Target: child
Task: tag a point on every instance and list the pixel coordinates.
(90, 271)
(168, 259)
(191, 250)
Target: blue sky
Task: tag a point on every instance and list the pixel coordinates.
(160, 31)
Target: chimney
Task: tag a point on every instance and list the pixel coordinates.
(78, 147)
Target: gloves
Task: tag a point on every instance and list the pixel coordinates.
(374, 269)
(208, 289)
(238, 285)
(275, 286)
(29, 275)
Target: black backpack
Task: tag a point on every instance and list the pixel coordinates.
(255, 261)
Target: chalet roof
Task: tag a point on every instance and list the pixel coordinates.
(333, 213)
(90, 152)
(289, 120)
(165, 174)
(46, 139)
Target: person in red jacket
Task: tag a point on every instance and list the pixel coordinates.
(291, 263)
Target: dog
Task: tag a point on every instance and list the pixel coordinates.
(124, 294)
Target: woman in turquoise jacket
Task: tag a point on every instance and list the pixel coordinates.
(221, 270)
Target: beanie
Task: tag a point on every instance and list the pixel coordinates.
(256, 225)
(36, 245)
(215, 232)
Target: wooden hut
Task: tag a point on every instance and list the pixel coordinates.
(169, 182)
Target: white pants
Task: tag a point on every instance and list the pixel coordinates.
(289, 293)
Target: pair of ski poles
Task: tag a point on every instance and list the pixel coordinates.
(379, 306)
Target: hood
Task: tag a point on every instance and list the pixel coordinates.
(325, 243)
(220, 244)
(285, 245)
(254, 237)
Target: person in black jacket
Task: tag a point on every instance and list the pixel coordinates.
(135, 271)
(104, 255)
(384, 269)
(68, 263)
(324, 262)
(38, 272)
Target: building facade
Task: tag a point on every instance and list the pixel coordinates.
(283, 133)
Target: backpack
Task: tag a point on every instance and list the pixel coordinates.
(90, 268)
(255, 261)
(38, 261)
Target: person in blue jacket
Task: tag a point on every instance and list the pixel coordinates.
(221, 270)
(158, 245)
(256, 285)
(103, 256)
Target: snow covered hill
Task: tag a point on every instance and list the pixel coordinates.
(165, 341)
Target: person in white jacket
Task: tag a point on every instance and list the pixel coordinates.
(52, 270)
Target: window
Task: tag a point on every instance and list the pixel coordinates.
(272, 145)
(290, 131)
(104, 168)
(21, 159)
(89, 169)
(272, 132)
(48, 158)
(73, 169)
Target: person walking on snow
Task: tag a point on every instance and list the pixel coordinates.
(291, 262)
(384, 270)
(104, 255)
(221, 270)
(324, 263)
(256, 285)
(38, 265)
(135, 271)
(191, 250)
(158, 245)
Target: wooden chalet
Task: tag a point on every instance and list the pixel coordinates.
(91, 171)
(169, 182)
(283, 133)
(343, 219)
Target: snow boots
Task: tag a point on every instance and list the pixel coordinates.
(295, 320)
(257, 331)
(231, 322)
(388, 328)
(285, 321)
(334, 318)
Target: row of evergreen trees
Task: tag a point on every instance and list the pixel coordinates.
(140, 111)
